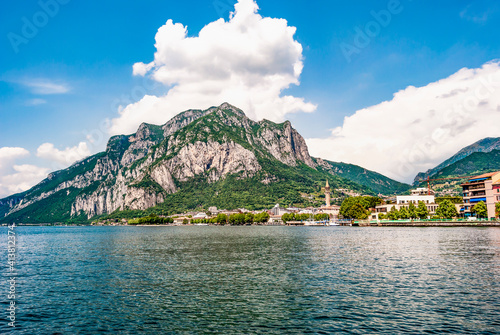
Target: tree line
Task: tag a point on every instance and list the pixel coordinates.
(304, 217)
(236, 219)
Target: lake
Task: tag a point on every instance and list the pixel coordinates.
(273, 280)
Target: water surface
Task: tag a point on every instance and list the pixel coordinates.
(129, 280)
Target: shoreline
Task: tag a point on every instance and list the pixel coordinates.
(449, 224)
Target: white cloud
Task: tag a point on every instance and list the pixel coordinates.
(64, 157)
(17, 178)
(9, 154)
(420, 127)
(21, 179)
(45, 86)
(247, 61)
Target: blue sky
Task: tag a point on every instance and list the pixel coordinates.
(74, 71)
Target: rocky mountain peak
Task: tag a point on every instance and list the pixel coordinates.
(142, 170)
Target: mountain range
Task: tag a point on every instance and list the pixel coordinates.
(200, 158)
(478, 158)
(485, 145)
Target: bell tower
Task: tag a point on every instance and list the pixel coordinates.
(327, 194)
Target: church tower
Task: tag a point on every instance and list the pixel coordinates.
(327, 194)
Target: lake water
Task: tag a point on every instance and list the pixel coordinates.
(293, 280)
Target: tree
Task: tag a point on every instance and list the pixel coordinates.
(321, 217)
(261, 217)
(382, 216)
(357, 207)
(237, 219)
(412, 211)
(422, 211)
(287, 217)
(480, 209)
(221, 218)
(357, 211)
(404, 213)
(249, 218)
(393, 214)
(497, 209)
(446, 210)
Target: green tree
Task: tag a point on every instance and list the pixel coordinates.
(480, 209)
(446, 210)
(393, 214)
(237, 219)
(321, 217)
(412, 211)
(221, 218)
(422, 211)
(287, 217)
(382, 216)
(357, 211)
(302, 217)
(249, 218)
(404, 213)
(497, 209)
(262, 217)
(357, 207)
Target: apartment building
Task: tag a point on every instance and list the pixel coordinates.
(486, 188)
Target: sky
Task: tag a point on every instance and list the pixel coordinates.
(394, 86)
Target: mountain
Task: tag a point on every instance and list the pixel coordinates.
(485, 145)
(375, 181)
(475, 164)
(216, 157)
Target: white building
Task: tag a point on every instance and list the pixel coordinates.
(417, 195)
(422, 191)
(407, 199)
(278, 211)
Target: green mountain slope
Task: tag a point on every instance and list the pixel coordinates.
(485, 145)
(217, 157)
(474, 164)
(375, 181)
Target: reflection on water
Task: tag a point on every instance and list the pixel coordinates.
(257, 280)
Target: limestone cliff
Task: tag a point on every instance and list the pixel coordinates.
(137, 171)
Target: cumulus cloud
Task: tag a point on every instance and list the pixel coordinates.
(420, 127)
(10, 154)
(247, 61)
(17, 178)
(64, 157)
(21, 179)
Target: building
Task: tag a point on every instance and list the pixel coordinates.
(278, 211)
(327, 194)
(422, 191)
(486, 188)
(328, 208)
(415, 198)
(400, 201)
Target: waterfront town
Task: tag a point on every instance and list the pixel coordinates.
(480, 200)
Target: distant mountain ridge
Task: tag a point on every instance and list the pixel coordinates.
(375, 181)
(485, 145)
(216, 157)
(475, 164)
